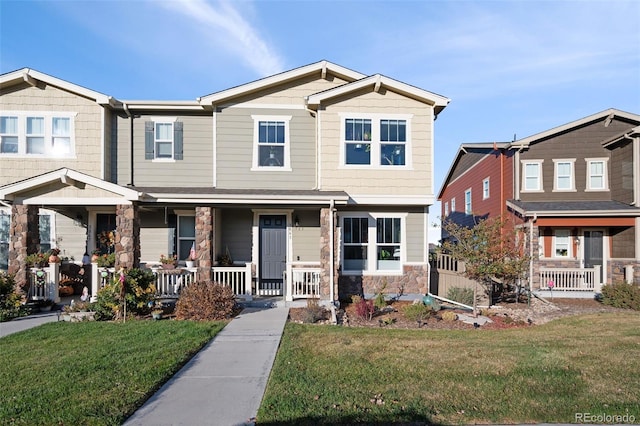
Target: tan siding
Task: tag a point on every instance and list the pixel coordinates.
(235, 140)
(88, 134)
(416, 181)
(71, 238)
(236, 234)
(306, 237)
(153, 243)
(415, 237)
(194, 170)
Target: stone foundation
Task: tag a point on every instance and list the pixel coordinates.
(413, 281)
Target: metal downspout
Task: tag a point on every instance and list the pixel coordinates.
(331, 252)
(126, 110)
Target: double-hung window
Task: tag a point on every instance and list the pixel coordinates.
(446, 208)
(355, 234)
(564, 175)
(485, 189)
(561, 243)
(164, 139)
(453, 205)
(467, 201)
(376, 140)
(271, 143)
(532, 175)
(596, 174)
(45, 134)
(389, 231)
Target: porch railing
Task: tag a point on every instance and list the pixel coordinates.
(169, 283)
(238, 278)
(570, 279)
(304, 283)
(43, 283)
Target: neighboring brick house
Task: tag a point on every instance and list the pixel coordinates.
(320, 173)
(575, 189)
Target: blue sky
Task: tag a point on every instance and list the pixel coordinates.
(509, 67)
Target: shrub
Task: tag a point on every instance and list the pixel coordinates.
(379, 302)
(313, 312)
(621, 295)
(140, 290)
(365, 309)
(204, 301)
(9, 299)
(449, 316)
(418, 312)
(461, 295)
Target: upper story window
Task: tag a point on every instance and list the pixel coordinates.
(376, 140)
(485, 189)
(271, 142)
(564, 180)
(597, 174)
(163, 139)
(49, 134)
(453, 205)
(467, 201)
(532, 175)
(446, 208)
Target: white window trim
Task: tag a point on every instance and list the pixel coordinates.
(605, 172)
(286, 167)
(163, 120)
(486, 188)
(372, 245)
(572, 177)
(555, 243)
(468, 206)
(375, 141)
(48, 133)
(524, 176)
(179, 214)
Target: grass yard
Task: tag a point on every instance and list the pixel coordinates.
(548, 373)
(92, 373)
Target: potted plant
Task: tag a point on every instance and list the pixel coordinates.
(46, 305)
(95, 254)
(53, 256)
(37, 260)
(168, 262)
(106, 260)
(225, 259)
(156, 314)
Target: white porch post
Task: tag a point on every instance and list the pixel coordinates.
(597, 282)
(52, 284)
(248, 279)
(95, 279)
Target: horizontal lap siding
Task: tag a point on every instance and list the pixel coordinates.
(416, 243)
(70, 237)
(584, 142)
(194, 170)
(235, 228)
(335, 176)
(235, 147)
(622, 172)
(306, 236)
(88, 132)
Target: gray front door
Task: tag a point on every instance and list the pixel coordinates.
(273, 254)
(593, 250)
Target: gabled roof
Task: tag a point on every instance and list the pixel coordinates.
(377, 81)
(484, 148)
(611, 113)
(30, 76)
(318, 67)
(67, 177)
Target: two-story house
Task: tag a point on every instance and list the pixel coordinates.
(319, 172)
(575, 191)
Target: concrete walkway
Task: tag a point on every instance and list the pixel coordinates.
(224, 383)
(25, 323)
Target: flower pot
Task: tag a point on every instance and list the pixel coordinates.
(54, 259)
(156, 315)
(189, 263)
(168, 266)
(94, 258)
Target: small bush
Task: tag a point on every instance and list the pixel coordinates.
(449, 316)
(140, 291)
(418, 312)
(365, 309)
(202, 301)
(313, 312)
(9, 299)
(379, 302)
(621, 295)
(461, 295)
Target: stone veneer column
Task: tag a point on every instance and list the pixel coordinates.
(24, 237)
(204, 243)
(127, 236)
(325, 255)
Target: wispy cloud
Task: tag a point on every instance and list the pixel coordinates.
(225, 27)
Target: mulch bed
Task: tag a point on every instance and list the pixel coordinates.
(503, 316)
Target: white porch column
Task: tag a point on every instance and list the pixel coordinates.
(95, 279)
(52, 282)
(597, 283)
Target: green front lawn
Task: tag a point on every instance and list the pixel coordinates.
(92, 373)
(548, 373)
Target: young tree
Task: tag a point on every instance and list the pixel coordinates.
(493, 251)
